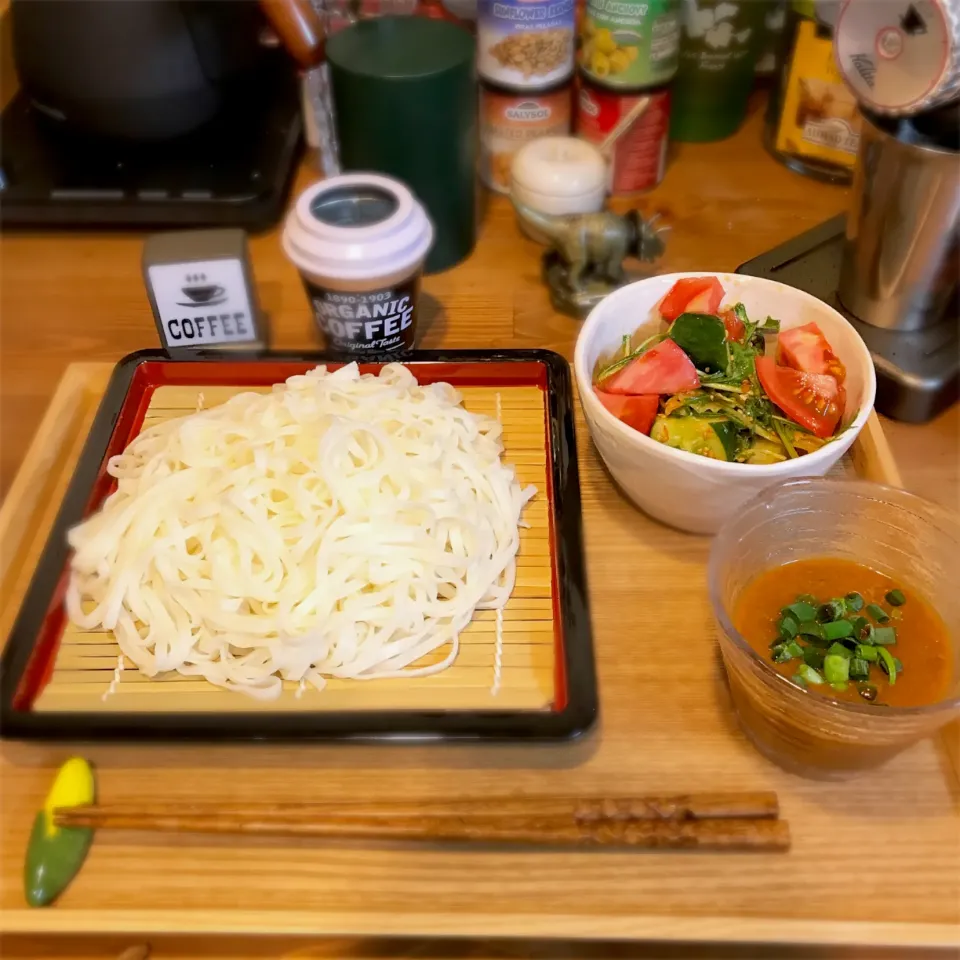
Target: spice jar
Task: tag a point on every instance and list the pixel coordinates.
(557, 176)
(359, 242)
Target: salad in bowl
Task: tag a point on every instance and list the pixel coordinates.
(699, 390)
(716, 382)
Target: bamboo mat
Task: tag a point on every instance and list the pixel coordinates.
(505, 661)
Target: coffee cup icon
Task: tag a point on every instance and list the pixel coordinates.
(205, 293)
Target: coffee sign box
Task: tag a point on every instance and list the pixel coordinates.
(201, 289)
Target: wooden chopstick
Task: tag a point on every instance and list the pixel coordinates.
(753, 834)
(709, 821)
(706, 806)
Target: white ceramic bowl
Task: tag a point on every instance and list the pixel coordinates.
(683, 489)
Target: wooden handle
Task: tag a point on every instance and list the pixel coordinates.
(634, 114)
(762, 834)
(299, 28)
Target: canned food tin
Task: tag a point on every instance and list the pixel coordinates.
(508, 120)
(630, 43)
(525, 44)
(631, 132)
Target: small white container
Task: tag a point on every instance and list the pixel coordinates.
(683, 489)
(557, 176)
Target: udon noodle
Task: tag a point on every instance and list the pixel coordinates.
(340, 526)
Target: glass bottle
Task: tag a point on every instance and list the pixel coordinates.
(813, 123)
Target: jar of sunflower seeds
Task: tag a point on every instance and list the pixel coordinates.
(525, 44)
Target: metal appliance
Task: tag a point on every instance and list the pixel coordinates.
(892, 265)
(159, 112)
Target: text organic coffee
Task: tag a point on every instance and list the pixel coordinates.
(359, 242)
(378, 320)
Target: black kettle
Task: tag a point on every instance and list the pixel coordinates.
(134, 69)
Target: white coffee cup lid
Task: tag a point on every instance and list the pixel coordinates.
(359, 226)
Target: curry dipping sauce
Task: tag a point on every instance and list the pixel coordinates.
(902, 633)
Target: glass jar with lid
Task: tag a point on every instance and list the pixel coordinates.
(813, 122)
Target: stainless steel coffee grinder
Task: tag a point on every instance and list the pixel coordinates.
(892, 264)
(900, 263)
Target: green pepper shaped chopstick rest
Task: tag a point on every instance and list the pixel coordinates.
(55, 854)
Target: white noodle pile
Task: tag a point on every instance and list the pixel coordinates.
(342, 526)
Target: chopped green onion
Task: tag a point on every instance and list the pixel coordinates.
(810, 628)
(836, 668)
(859, 669)
(839, 650)
(854, 602)
(839, 687)
(813, 657)
(799, 681)
(877, 612)
(888, 664)
(866, 634)
(837, 630)
(896, 598)
(868, 691)
(801, 611)
(808, 674)
(898, 665)
(859, 625)
(831, 610)
(788, 627)
(866, 652)
(787, 651)
(884, 636)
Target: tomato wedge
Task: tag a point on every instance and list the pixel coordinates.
(814, 400)
(806, 348)
(664, 368)
(637, 412)
(734, 325)
(691, 295)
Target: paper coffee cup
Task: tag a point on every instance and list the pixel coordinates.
(359, 242)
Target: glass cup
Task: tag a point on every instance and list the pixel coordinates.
(885, 528)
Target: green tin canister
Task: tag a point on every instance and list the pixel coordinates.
(405, 97)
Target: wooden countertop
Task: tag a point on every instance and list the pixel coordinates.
(68, 297)
(80, 296)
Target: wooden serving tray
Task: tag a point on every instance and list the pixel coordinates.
(874, 860)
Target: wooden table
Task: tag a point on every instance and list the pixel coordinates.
(68, 297)
(80, 296)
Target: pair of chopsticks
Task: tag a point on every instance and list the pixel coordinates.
(699, 821)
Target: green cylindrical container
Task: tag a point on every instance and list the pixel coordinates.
(628, 44)
(718, 52)
(405, 96)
